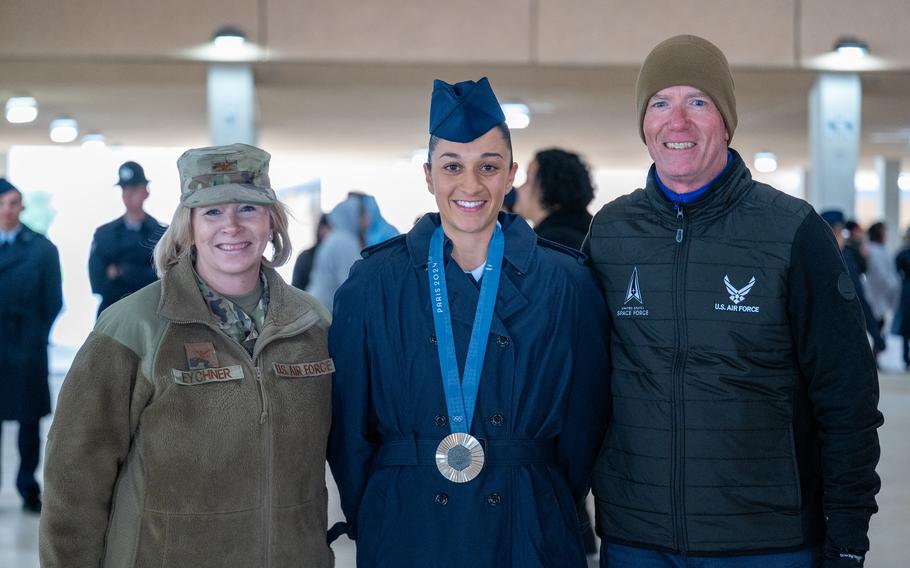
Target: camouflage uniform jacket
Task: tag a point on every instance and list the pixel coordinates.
(232, 320)
(152, 461)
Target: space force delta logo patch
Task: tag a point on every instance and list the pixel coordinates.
(737, 296)
(634, 304)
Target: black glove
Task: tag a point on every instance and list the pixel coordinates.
(841, 558)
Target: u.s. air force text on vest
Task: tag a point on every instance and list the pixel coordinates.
(302, 370)
(737, 295)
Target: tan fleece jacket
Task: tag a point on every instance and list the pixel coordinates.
(171, 446)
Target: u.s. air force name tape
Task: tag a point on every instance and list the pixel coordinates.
(302, 370)
(209, 375)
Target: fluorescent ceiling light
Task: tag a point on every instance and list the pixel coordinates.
(64, 130)
(765, 162)
(20, 110)
(518, 115)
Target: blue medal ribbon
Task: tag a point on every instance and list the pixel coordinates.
(461, 394)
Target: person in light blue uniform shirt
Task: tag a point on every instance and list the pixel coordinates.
(471, 390)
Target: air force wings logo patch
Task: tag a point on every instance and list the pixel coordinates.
(738, 295)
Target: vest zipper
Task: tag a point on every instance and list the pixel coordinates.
(262, 396)
(681, 221)
(267, 477)
(680, 535)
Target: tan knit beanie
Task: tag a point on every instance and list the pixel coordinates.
(690, 61)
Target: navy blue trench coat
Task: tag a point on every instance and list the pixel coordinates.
(30, 299)
(541, 412)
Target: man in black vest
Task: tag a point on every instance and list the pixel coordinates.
(121, 259)
(745, 392)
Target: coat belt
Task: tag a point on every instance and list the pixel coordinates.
(413, 452)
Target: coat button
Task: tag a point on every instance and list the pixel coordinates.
(503, 341)
(433, 339)
(440, 421)
(497, 419)
(494, 499)
(442, 499)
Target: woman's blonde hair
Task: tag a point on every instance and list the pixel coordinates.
(177, 240)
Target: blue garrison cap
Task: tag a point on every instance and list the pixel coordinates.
(464, 111)
(6, 186)
(833, 217)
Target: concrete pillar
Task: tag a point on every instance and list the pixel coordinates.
(232, 104)
(889, 169)
(834, 125)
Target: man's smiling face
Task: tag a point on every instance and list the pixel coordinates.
(686, 137)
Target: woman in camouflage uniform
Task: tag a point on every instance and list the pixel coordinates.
(191, 428)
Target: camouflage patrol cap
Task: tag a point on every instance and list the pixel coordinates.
(237, 173)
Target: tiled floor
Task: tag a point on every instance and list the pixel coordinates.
(889, 531)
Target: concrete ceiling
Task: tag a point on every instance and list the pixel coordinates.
(353, 78)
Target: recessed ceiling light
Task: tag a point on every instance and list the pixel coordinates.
(20, 110)
(93, 140)
(64, 130)
(229, 38)
(518, 115)
(851, 48)
(765, 162)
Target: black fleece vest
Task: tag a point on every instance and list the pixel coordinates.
(700, 456)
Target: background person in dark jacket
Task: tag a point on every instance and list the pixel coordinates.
(901, 324)
(855, 245)
(304, 263)
(30, 299)
(556, 195)
(121, 259)
(835, 219)
(744, 390)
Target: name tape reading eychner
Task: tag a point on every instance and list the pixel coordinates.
(210, 375)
